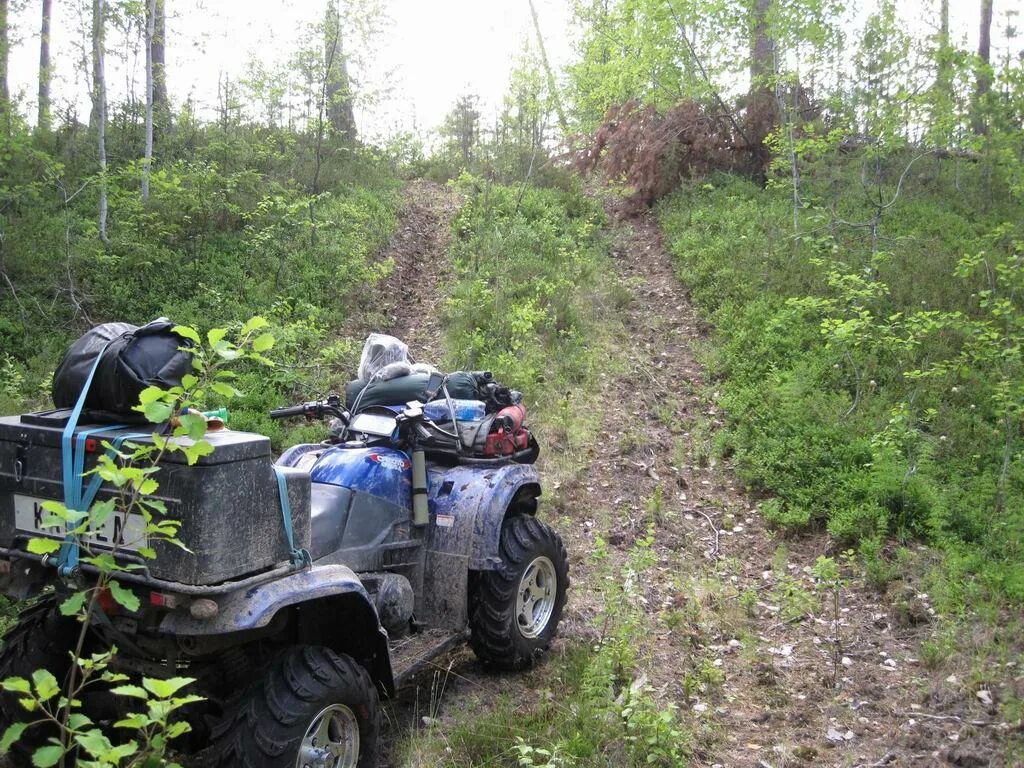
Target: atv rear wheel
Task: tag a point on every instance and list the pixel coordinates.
(41, 639)
(313, 708)
(516, 608)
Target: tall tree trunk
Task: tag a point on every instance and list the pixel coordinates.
(148, 160)
(944, 80)
(984, 68)
(45, 73)
(161, 105)
(762, 108)
(337, 88)
(99, 108)
(5, 94)
(552, 86)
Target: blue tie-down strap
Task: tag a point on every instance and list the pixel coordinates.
(300, 557)
(67, 558)
(73, 452)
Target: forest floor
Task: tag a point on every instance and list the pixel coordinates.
(737, 632)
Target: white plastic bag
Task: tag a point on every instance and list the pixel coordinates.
(379, 351)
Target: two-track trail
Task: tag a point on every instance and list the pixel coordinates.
(737, 633)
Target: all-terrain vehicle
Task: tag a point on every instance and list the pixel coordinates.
(312, 584)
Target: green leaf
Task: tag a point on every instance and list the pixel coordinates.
(225, 390)
(130, 690)
(263, 342)
(116, 754)
(73, 604)
(45, 683)
(158, 412)
(56, 508)
(16, 685)
(195, 452)
(123, 596)
(254, 324)
(11, 735)
(164, 689)
(94, 742)
(188, 381)
(228, 351)
(148, 552)
(174, 730)
(101, 511)
(151, 395)
(187, 333)
(47, 757)
(43, 546)
(214, 336)
(77, 721)
(194, 424)
(134, 721)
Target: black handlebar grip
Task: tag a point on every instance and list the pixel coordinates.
(291, 410)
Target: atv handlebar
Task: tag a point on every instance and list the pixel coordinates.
(291, 410)
(315, 409)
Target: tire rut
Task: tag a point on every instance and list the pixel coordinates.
(406, 301)
(739, 635)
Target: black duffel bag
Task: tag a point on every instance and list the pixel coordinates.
(134, 358)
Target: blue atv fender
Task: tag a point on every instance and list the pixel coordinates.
(327, 590)
(469, 503)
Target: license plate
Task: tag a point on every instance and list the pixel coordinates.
(127, 531)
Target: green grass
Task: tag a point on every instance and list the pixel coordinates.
(532, 301)
(591, 706)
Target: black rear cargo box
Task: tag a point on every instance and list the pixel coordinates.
(228, 502)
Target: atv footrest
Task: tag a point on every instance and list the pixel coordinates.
(413, 653)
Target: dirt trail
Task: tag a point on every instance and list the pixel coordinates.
(739, 636)
(406, 301)
(743, 639)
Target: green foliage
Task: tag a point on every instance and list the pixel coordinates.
(528, 292)
(875, 392)
(226, 233)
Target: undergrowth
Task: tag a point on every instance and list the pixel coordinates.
(873, 388)
(223, 237)
(530, 300)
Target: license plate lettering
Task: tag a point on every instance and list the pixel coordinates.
(127, 532)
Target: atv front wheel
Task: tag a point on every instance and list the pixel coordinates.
(313, 708)
(516, 608)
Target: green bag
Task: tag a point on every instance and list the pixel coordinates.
(461, 386)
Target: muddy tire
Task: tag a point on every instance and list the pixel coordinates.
(41, 639)
(312, 707)
(516, 608)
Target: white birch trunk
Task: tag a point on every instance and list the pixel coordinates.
(148, 161)
(100, 106)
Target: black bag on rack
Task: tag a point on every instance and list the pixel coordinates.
(134, 358)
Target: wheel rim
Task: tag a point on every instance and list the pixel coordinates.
(331, 741)
(535, 600)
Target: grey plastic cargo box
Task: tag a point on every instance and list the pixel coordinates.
(228, 502)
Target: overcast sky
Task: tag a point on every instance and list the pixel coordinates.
(431, 52)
